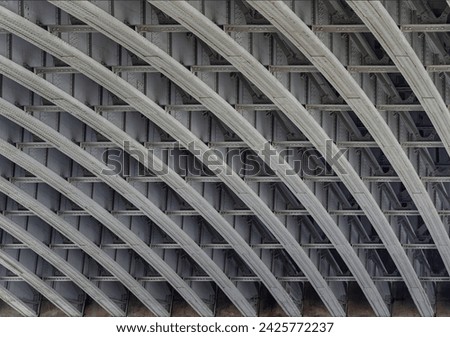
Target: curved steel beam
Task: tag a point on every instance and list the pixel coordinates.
(107, 219)
(37, 283)
(305, 40)
(16, 303)
(261, 77)
(383, 27)
(142, 103)
(58, 262)
(140, 46)
(148, 208)
(260, 209)
(79, 239)
(253, 70)
(67, 102)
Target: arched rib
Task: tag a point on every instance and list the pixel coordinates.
(58, 262)
(42, 87)
(38, 284)
(305, 40)
(149, 209)
(39, 85)
(142, 103)
(108, 220)
(16, 303)
(140, 46)
(255, 72)
(383, 27)
(80, 240)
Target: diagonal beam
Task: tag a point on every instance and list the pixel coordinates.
(82, 241)
(185, 79)
(38, 284)
(90, 162)
(58, 262)
(111, 222)
(47, 90)
(384, 28)
(140, 46)
(253, 70)
(142, 103)
(16, 303)
(333, 70)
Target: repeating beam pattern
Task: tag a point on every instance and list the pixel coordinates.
(353, 192)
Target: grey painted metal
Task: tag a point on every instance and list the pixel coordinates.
(190, 17)
(240, 144)
(238, 107)
(194, 86)
(37, 283)
(16, 303)
(65, 101)
(57, 261)
(381, 24)
(304, 39)
(8, 110)
(185, 14)
(409, 28)
(94, 209)
(109, 221)
(134, 97)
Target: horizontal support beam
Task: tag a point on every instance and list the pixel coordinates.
(250, 29)
(408, 28)
(175, 28)
(344, 278)
(161, 29)
(70, 29)
(133, 69)
(256, 179)
(233, 212)
(272, 246)
(340, 28)
(238, 107)
(55, 70)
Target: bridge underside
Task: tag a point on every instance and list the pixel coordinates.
(236, 92)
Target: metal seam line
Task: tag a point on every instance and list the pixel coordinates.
(171, 68)
(78, 238)
(333, 70)
(38, 284)
(16, 303)
(109, 221)
(217, 105)
(59, 263)
(72, 56)
(30, 80)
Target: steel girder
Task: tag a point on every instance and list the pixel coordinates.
(151, 210)
(11, 112)
(57, 261)
(306, 41)
(16, 303)
(194, 86)
(107, 219)
(36, 282)
(384, 28)
(180, 186)
(289, 105)
(85, 114)
(135, 98)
